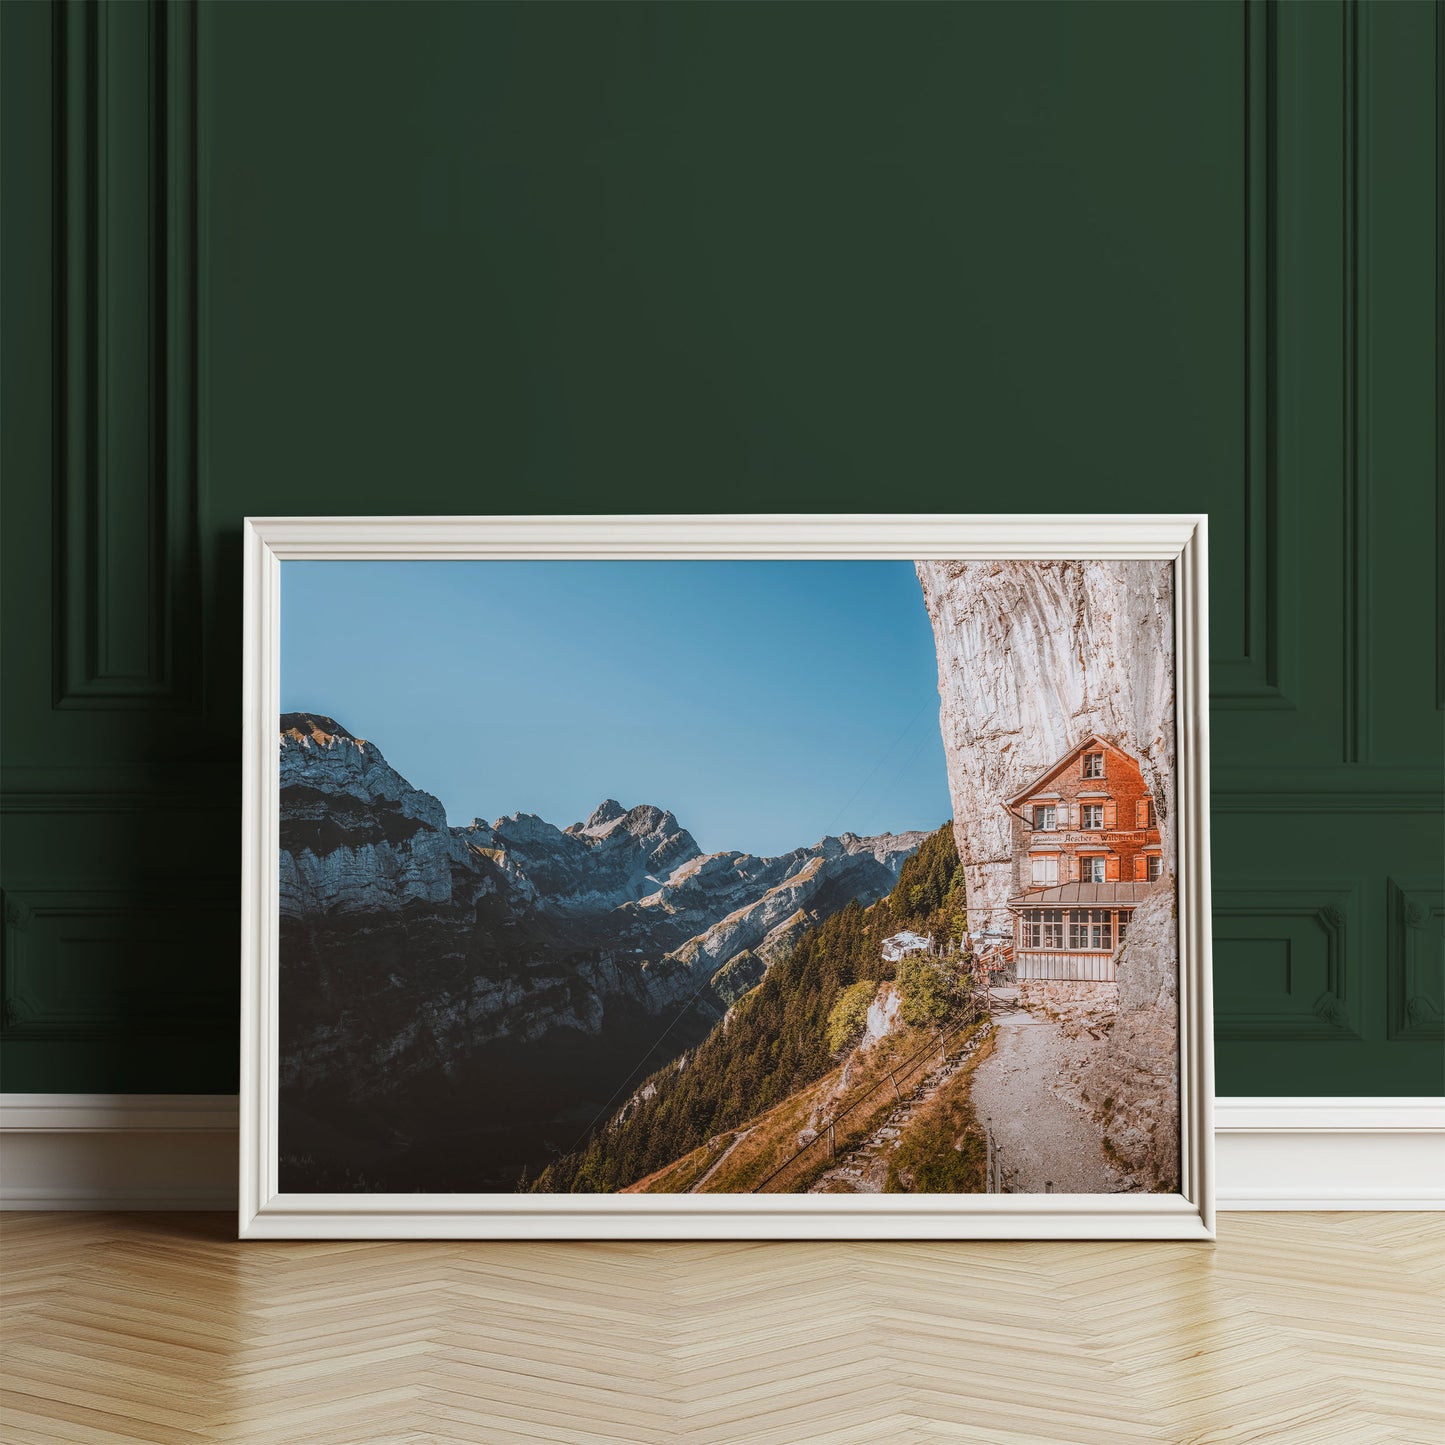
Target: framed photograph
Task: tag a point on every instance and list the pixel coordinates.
(726, 877)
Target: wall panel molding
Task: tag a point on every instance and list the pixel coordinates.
(1259, 674)
(1439, 255)
(126, 541)
(139, 789)
(1355, 596)
(1312, 789)
(1284, 962)
(95, 962)
(1311, 90)
(1415, 923)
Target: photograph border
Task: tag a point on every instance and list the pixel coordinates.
(266, 1213)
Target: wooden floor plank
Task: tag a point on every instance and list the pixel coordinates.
(1295, 1329)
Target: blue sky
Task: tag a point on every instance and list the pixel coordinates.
(765, 703)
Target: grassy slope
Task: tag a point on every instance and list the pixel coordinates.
(943, 1149)
(765, 1143)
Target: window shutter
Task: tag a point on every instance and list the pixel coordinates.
(1111, 813)
(1141, 813)
(1111, 868)
(1141, 867)
(1065, 818)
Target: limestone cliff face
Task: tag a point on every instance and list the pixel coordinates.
(355, 835)
(1032, 658)
(1140, 1069)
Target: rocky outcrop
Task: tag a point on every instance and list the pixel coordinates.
(617, 856)
(811, 883)
(1139, 1071)
(356, 836)
(1032, 658)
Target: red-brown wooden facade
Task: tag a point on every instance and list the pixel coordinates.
(1087, 849)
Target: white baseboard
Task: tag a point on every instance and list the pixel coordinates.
(118, 1151)
(1336, 1153)
(178, 1151)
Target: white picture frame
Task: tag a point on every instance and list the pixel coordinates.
(266, 1213)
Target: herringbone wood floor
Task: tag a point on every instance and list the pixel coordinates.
(1296, 1328)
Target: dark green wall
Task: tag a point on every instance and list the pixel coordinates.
(372, 258)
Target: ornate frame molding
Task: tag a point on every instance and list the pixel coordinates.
(266, 1213)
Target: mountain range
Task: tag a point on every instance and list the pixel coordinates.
(423, 962)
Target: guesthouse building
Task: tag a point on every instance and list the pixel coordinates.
(1087, 851)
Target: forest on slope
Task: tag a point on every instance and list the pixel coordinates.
(776, 1039)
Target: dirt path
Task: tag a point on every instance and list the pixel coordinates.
(719, 1161)
(1020, 1092)
(864, 1168)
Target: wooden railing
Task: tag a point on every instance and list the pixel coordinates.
(897, 1078)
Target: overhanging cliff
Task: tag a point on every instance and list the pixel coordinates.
(1033, 656)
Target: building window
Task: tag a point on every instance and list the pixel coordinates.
(1053, 927)
(1091, 815)
(1043, 928)
(1091, 929)
(1153, 867)
(1124, 916)
(1046, 869)
(1045, 818)
(1093, 765)
(1150, 819)
(1091, 870)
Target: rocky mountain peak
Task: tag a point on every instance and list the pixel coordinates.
(315, 727)
(355, 834)
(646, 820)
(610, 817)
(526, 827)
(607, 811)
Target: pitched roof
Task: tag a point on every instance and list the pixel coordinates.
(1088, 894)
(1043, 777)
